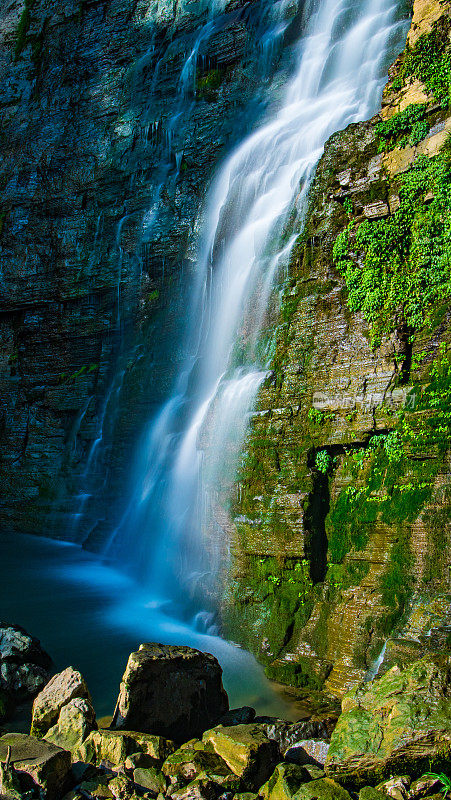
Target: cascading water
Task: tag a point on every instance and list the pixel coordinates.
(256, 202)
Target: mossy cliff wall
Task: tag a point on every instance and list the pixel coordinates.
(341, 524)
(100, 190)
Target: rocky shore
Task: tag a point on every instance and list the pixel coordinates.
(172, 735)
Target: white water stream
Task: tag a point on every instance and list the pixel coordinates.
(340, 70)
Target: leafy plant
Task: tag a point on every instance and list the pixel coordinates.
(404, 272)
(323, 461)
(408, 127)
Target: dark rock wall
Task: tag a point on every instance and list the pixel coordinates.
(100, 190)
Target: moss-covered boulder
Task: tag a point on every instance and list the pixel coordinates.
(247, 751)
(188, 765)
(39, 765)
(175, 692)
(150, 779)
(113, 747)
(285, 781)
(59, 691)
(324, 789)
(400, 723)
(75, 722)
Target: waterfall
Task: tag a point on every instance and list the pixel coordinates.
(251, 216)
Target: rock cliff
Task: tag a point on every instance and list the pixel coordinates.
(114, 114)
(340, 530)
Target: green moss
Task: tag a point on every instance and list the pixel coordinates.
(22, 29)
(430, 60)
(208, 83)
(409, 127)
(406, 268)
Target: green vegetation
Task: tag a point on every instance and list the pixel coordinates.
(404, 129)
(23, 27)
(208, 83)
(406, 270)
(323, 461)
(430, 61)
(395, 474)
(444, 780)
(65, 377)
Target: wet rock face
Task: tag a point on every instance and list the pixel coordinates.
(308, 599)
(170, 691)
(100, 187)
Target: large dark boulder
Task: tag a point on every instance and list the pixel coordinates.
(24, 667)
(175, 692)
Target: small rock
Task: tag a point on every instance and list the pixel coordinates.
(190, 764)
(283, 783)
(310, 751)
(370, 793)
(247, 750)
(97, 787)
(199, 789)
(150, 779)
(59, 691)
(238, 716)
(75, 722)
(122, 788)
(9, 783)
(423, 787)
(397, 787)
(113, 747)
(45, 764)
(324, 789)
(175, 692)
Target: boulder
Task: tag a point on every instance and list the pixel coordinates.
(288, 734)
(60, 690)
(399, 722)
(24, 665)
(175, 692)
(308, 751)
(238, 716)
(113, 747)
(247, 751)
(283, 784)
(370, 793)
(199, 789)
(324, 789)
(76, 721)
(187, 765)
(37, 763)
(396, 787)
(150, 779)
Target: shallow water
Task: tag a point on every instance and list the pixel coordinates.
(90, 616)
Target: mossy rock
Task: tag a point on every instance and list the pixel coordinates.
(399, 723)
(324, 789)
(115, 746)
(190, 764)
(247, 751)
(285, 781)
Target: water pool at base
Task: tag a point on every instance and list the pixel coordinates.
(90, 616)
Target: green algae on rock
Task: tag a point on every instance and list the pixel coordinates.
(400, 722)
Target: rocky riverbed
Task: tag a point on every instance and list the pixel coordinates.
(173, 735)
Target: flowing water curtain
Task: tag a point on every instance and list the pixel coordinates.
(252, 214)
